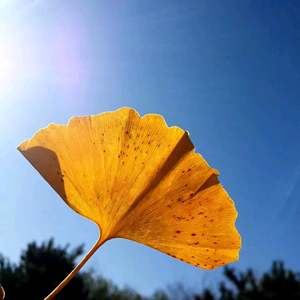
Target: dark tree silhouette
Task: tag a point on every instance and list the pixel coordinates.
(103, 289)
(11, 277)
(278, 284)
(159, 295)
(207, 295)
(40, 270)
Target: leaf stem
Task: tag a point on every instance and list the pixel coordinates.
(76, 269)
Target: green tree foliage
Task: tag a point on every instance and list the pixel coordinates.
(278, 284)
(11, 277)
(159, 295)
(103, 289)
(42, 268)
(207, 295)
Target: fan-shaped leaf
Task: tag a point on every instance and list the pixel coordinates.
(138, 179)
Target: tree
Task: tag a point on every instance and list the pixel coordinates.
(207, 295)
(11, 277)
(159, 295)
(40, 270)
(103, 289)
(278, 284)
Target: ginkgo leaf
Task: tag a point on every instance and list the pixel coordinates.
(138, 179)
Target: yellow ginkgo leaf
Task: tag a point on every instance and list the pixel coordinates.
(138, 179)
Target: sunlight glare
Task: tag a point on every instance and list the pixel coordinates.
(7, 64)
(3, 3)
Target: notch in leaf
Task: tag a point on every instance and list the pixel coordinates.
(138, 179)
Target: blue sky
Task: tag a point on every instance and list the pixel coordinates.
(226, 71)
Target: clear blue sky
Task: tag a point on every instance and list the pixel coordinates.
(226, 71)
